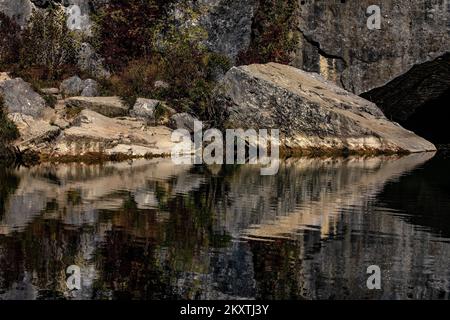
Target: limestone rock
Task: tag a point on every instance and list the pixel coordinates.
(19, 97)
(183, 121)
(71, 86)
(107, 106)
(52, 91)
(93, 132)
(19, 10)
(310, 112)
(228, 24)
(145, 108)
(90, 88)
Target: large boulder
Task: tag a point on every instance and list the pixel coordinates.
(311, 113)
(75, 86)
(107, 106)
(93, 132)
(71, 86)
(19, 97)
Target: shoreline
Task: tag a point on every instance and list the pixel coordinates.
(30, 158)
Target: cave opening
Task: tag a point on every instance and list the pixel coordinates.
(419, 100)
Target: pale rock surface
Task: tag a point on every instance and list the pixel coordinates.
(310, 112)
(93, 132)
(34, 133)
(107, 106)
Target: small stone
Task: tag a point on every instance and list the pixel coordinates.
(91, 62)
(52, 91)
(161, 85)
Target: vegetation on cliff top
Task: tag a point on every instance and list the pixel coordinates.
(43, 52)
(144, 44)
(274, 33)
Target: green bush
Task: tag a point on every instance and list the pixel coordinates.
(8, 130)
(137, 80)
(50, 100)
(124, 29)
(274, 33)
(178, 58)
(48, 45)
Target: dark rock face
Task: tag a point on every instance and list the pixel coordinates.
(419, 99)
(229, 25)
(310, 112)
(431, 120)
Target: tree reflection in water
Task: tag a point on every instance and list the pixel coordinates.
(151, 230)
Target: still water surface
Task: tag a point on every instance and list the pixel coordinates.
(152, 230)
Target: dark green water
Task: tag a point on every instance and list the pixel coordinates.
(152, 230)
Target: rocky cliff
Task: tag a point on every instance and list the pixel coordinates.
(330, 37)
(345, 50)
